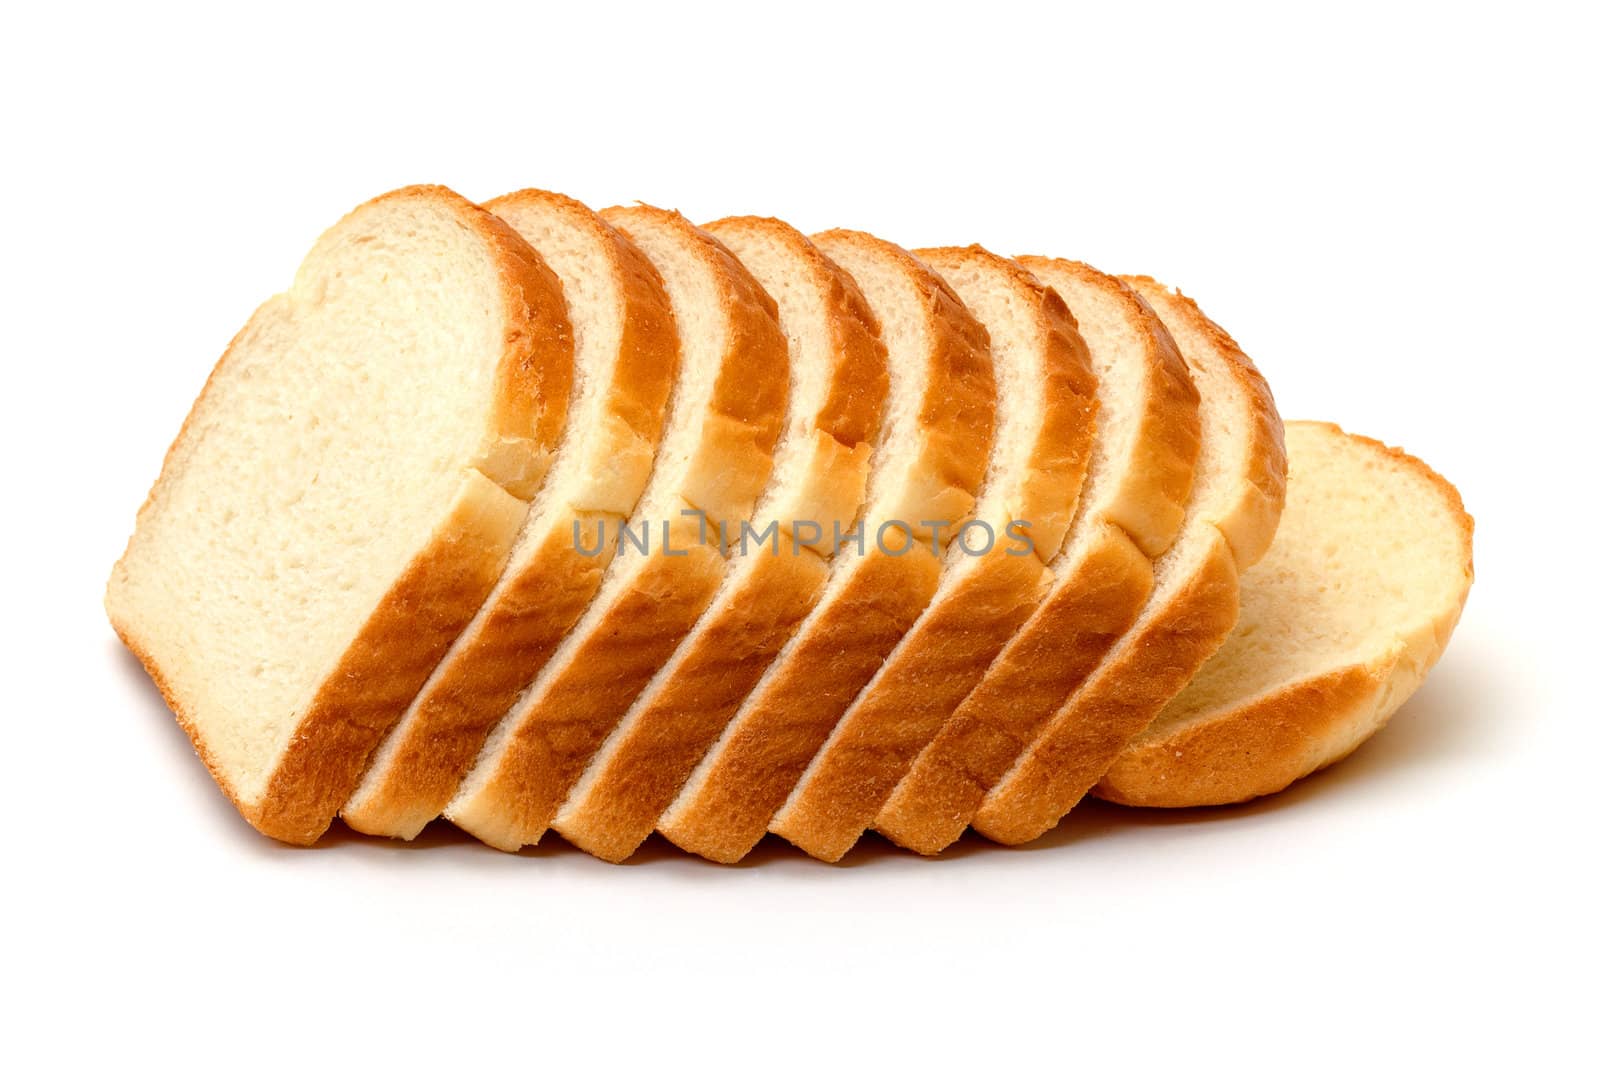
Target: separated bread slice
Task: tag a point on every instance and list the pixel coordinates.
(926, 469)
(724, 419)
(1338, 625)
(780, 560)
(625, 359)
(1233, 511)
(1145, 447)
(343, 496)
(996, 568)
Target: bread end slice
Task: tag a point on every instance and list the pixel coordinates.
(1232, 513)
(318, 533)
(1340, 622)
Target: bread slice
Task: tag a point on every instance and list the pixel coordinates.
(1045, 408)
(1233, 511)
(1132, 506)
(926, 469)
(726, 414)
(1338, 624)
(838, 385)
(343, 495)
(626, 356)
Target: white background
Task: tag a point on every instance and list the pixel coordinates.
(1391, 208)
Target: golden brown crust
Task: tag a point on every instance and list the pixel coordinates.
(635, 776)
(1091, 606)
(750, 399)
(1186, 622)
(535, 378)
(569, 714)
(528, 617)
(976, 613)
(531, 610)
(1100, 587)
(1262, 744)
(924, 679)
(724, 808)
(858, 382)
(749, 773)
(1148, 667)
(445, 583)
(956, 413)
(1058, 456)
(533, 381)
(615, 806)
(647, 357)
(387, 663)
(577, 707)
(1149, 500)
(1257, 749)
(1250, 519)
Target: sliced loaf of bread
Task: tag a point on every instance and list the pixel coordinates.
(1338, 625)
(343, 495)
(779, 562)
(625, 359)
(996, 568)
(725, 417)
(926, 470)
(1145, 448)
(1232, 513)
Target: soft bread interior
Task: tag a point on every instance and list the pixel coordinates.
(1370, 548)
(328, 444)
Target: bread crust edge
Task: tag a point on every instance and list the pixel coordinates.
(638, 772)
(1266, 743)
(732, 460)
(304, 789)
(528, 613)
